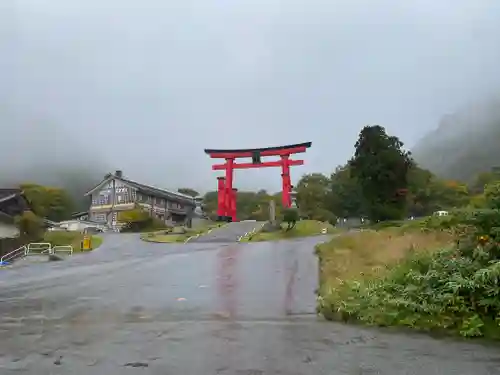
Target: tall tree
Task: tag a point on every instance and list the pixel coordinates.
(48, 202)
(344, 197)
(483, 179)
(312, 196)
(381, 167)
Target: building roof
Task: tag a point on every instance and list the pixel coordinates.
(79, 214)
(6, 219)
(6, 194)
(147, 189)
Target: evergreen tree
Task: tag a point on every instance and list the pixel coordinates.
(381, 167)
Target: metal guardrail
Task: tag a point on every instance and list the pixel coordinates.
(35, 248)
(22, 251)
(39, 248)
(63, 249)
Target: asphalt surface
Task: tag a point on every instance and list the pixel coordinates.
(229, 233)
(201, 308)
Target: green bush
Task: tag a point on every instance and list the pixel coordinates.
(455, 289)
(290, 216)
(385, 224)
(139, 220)
(30, 226)
(454, 219)
(147, 225)
(492, 195)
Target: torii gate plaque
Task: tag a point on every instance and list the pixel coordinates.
(226, 209)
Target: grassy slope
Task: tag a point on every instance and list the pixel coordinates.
(60, 238)
(359, 254)
(369, 254)
(303, 228)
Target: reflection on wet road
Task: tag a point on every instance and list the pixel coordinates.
(201, 308)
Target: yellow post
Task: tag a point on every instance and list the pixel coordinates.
(87, 243)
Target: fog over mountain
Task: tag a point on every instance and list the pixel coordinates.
(35, 148)
(88, 87)
(465, 143)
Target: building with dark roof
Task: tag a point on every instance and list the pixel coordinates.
(116, 193)
(12, 204)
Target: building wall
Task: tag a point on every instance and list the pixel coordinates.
(125, 199)
(8, 231)
(78, 225)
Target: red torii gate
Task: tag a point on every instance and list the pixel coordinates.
(226, 209)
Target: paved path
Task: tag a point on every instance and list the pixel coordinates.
(133, 307)
(230, 232)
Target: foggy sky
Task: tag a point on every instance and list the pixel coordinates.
(146, 85)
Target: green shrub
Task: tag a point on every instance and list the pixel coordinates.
(30, 226)
(290, 216)
(385, 224)
(455, 289)
(492, 195)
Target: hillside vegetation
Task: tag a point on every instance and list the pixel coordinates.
(431, 277)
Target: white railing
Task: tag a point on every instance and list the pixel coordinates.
(63, 249)
(39, 248)
(35, 248)
(22, 251)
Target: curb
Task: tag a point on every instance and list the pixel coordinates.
(252, 232)
(196, 236)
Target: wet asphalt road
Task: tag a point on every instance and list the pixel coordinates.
(229, 233)
(199, 309)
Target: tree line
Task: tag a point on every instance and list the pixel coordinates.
(380, 182)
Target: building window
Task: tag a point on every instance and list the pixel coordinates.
(103, 199)
(99, 217)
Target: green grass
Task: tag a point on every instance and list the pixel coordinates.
(358, 256)
(303, 228)
(169, 235)
(62, 238)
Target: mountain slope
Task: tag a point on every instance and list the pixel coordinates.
(34, 149)
(464, 144)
